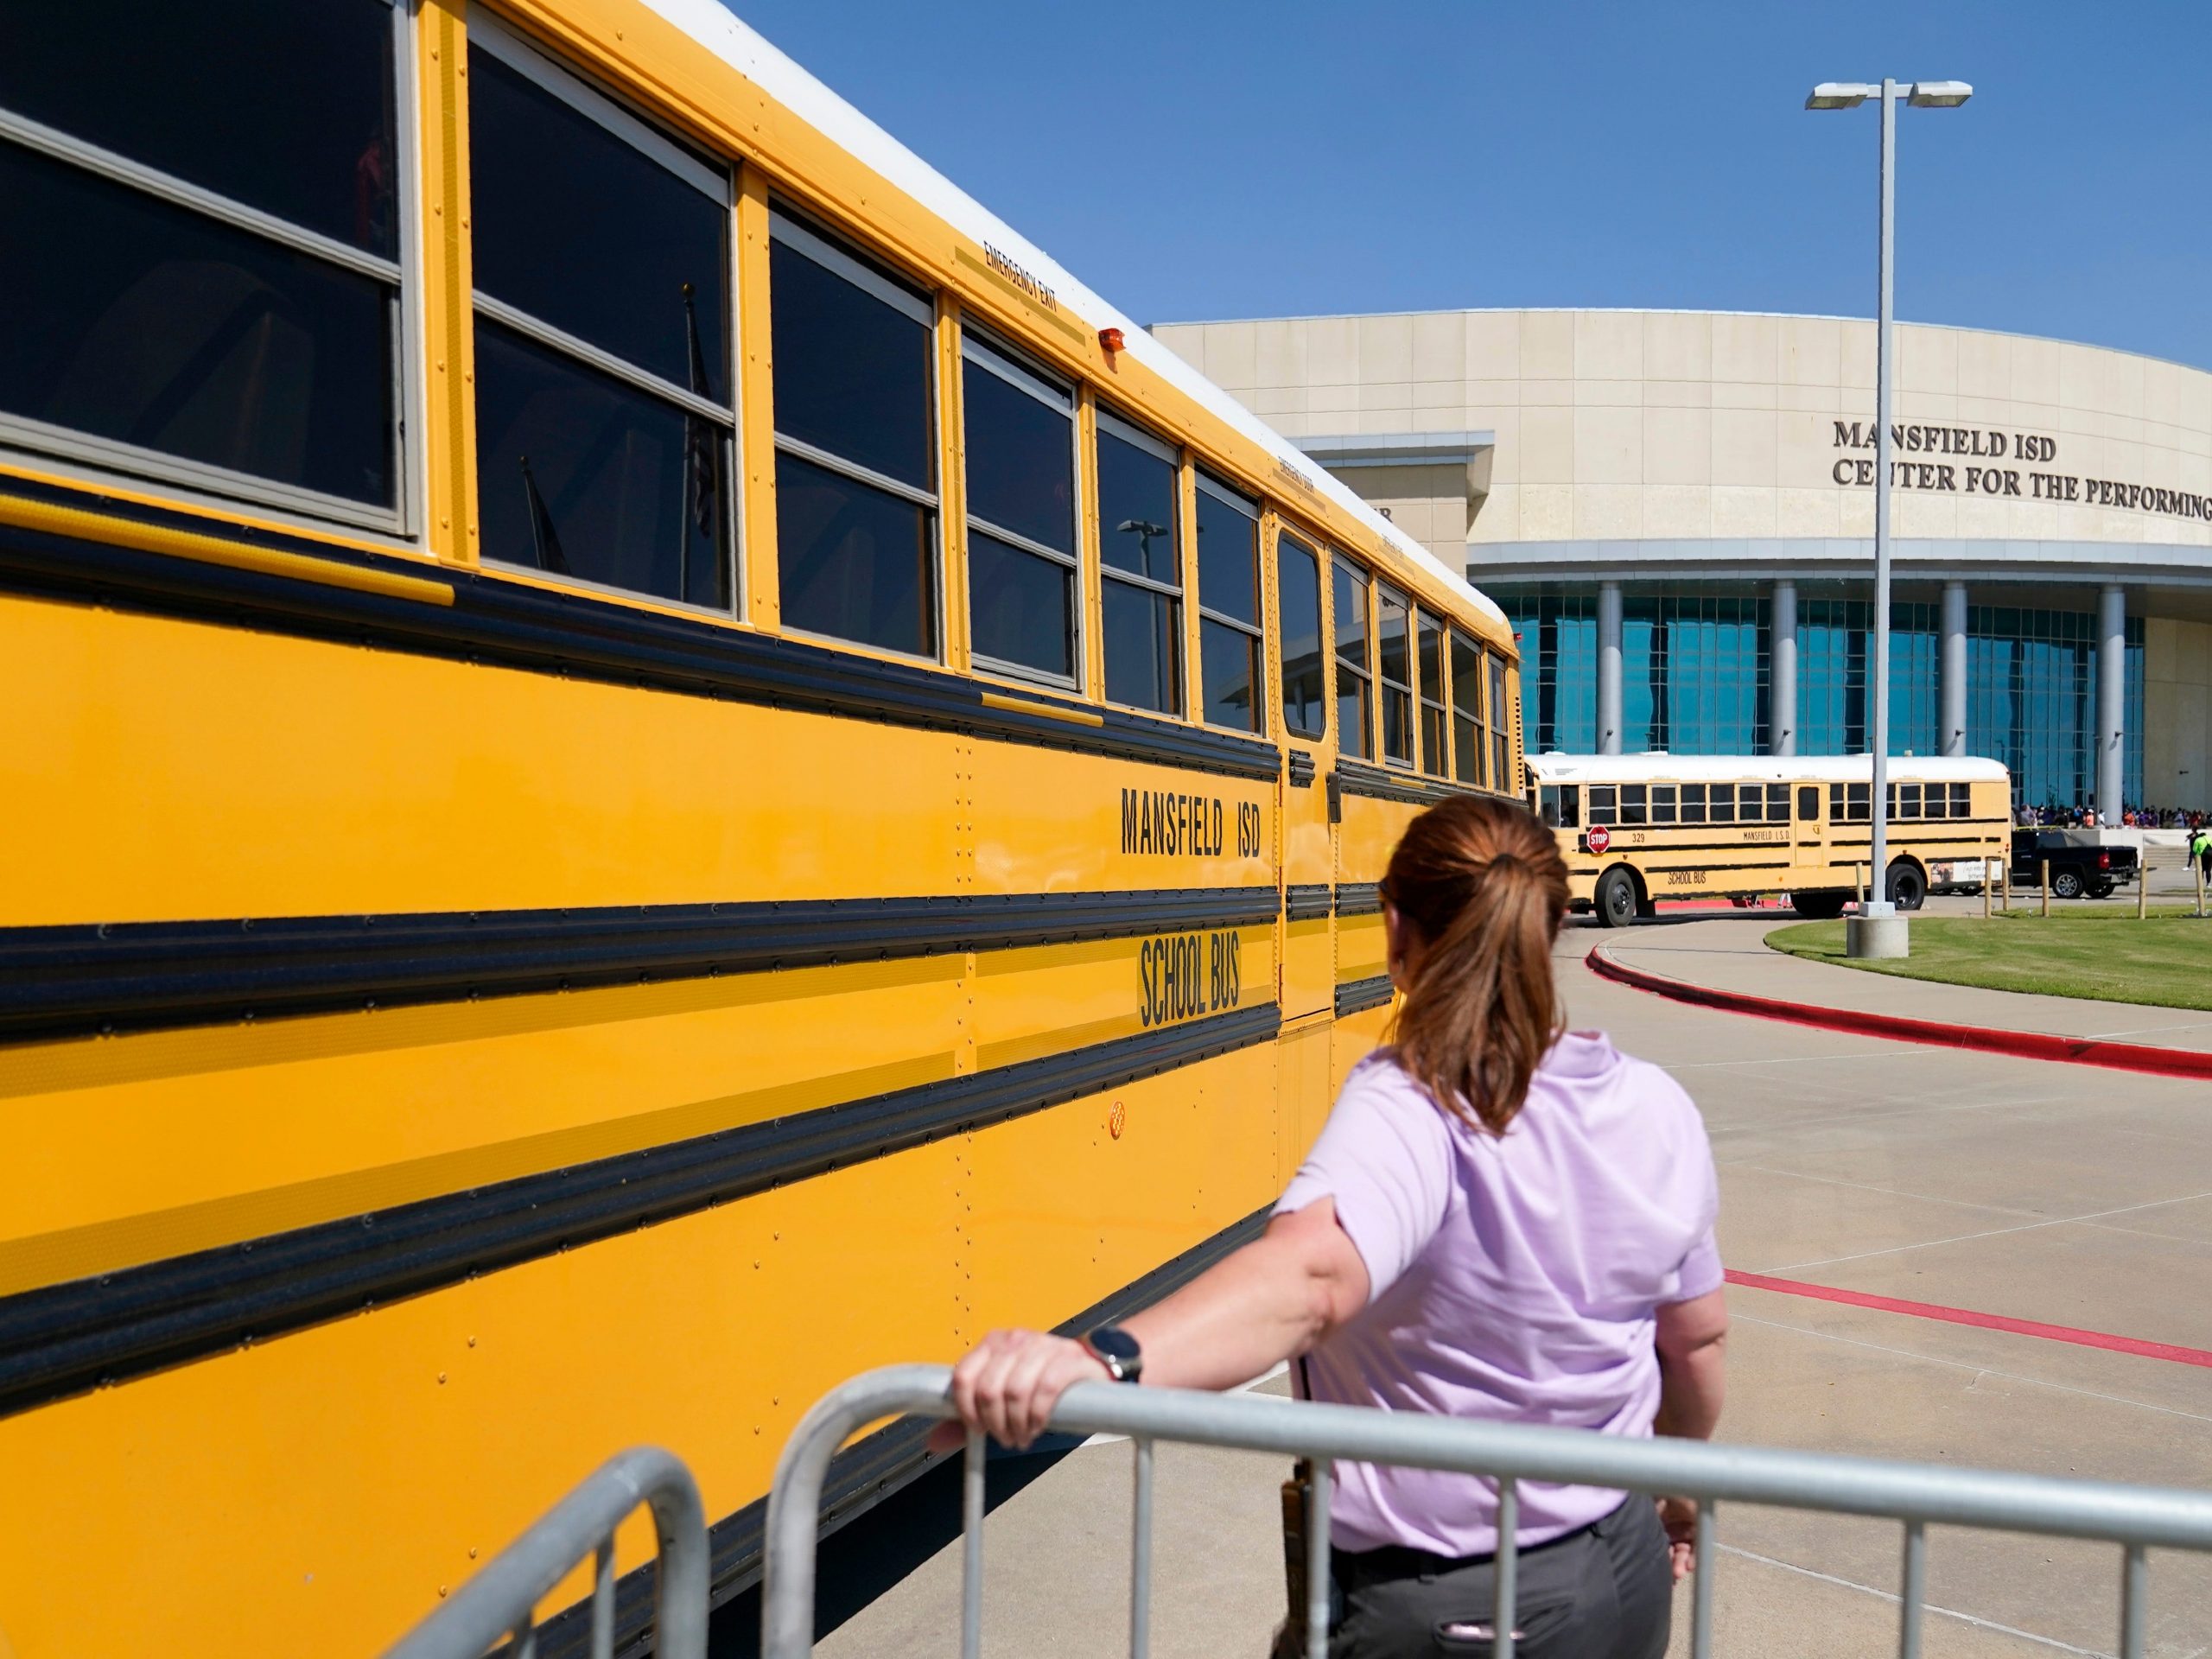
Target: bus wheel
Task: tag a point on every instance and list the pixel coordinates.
(1615, 899)
(1824, 906)
(1907, 886)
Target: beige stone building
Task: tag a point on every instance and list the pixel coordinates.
(1677, 509)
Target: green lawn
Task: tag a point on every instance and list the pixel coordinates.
(2104, 953)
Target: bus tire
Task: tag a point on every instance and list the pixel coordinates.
(1907, 886)
(1822, 906)
(1616, 898)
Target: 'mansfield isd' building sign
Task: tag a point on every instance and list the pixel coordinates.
(1971, 471)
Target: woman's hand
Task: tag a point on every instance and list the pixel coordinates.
(1009, 1383)
(1679, 1517)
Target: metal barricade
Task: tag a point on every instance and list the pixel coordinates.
(2136, 1518)
(500, 1602)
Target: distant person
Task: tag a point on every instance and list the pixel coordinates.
(1503, 1221)
(2200, 849)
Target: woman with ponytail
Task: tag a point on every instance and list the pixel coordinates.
(1502, 1220)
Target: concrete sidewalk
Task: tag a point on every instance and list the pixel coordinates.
(1729, 953)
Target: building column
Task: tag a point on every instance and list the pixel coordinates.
(1781, 669)
(2111, 700)
(1952, 674)
(1609, 668)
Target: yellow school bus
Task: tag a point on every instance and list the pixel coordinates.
(1636, 830)
(649, 762)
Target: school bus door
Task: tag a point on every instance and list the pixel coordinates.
(1808, 834)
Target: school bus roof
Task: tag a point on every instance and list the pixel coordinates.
(1553, 767)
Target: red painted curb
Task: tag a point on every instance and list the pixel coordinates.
(2020, 1044)
(2080, 1338)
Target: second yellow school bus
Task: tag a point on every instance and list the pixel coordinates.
(1638, 829)
(649, 763)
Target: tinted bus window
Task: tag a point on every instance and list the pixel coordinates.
(1501, 728)
(856, 502)
(1466, 710)
(1298, 596)
(1228, 607)
(1428, 634)
(186, 343)
(1141, 560)
(592, 232)
(1354, 688)
(1019, 452)
(1394, 669)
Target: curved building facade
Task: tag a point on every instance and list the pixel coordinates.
(1676, 509)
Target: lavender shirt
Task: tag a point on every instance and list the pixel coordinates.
(1514, 1280)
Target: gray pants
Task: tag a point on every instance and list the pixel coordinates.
(1600, 1593)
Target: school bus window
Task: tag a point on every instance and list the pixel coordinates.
(856, 504)
(1355, 685)
(1501, 725)
(1663, 803)
(1021, 470)
(1960, 801)
(1229, 607)
(1721, 804)
(1394, 669)
(1140, 558)
(1428, 636)
(1560, 805)
(1778, 802)
(1808, 802)
(1298, 595)
(1603, 803)
(247, 342)
(1467, 743)
(1692, 802)
(603, 413)
(1636, 806)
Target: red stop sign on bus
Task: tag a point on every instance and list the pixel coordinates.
(1599, 838)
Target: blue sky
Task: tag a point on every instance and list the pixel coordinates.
(1221, 158)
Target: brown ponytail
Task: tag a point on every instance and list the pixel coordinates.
(1482, 883)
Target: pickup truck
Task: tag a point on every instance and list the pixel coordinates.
(2081, 861)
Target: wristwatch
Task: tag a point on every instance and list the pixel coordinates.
(1117, 1351)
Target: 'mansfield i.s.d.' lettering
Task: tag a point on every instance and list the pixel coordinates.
(1170, 823)
(1185, 975)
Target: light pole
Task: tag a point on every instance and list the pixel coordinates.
(1879, 930)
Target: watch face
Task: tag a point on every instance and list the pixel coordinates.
(1115, 1343)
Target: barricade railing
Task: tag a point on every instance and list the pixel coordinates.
(2135, 1518)
(499, 1604)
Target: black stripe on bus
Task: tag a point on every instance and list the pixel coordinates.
(861, 1477)
(1720, 869)
(1382, 784)
(1913, 838)
(1359, 898)
(62, 1339)
(63, 980)
(1303, 903)
(1355, 996)
(1621, 849)
(578, 635)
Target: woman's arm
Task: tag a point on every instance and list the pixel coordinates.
(1693, 1342)
(1276, 1297)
